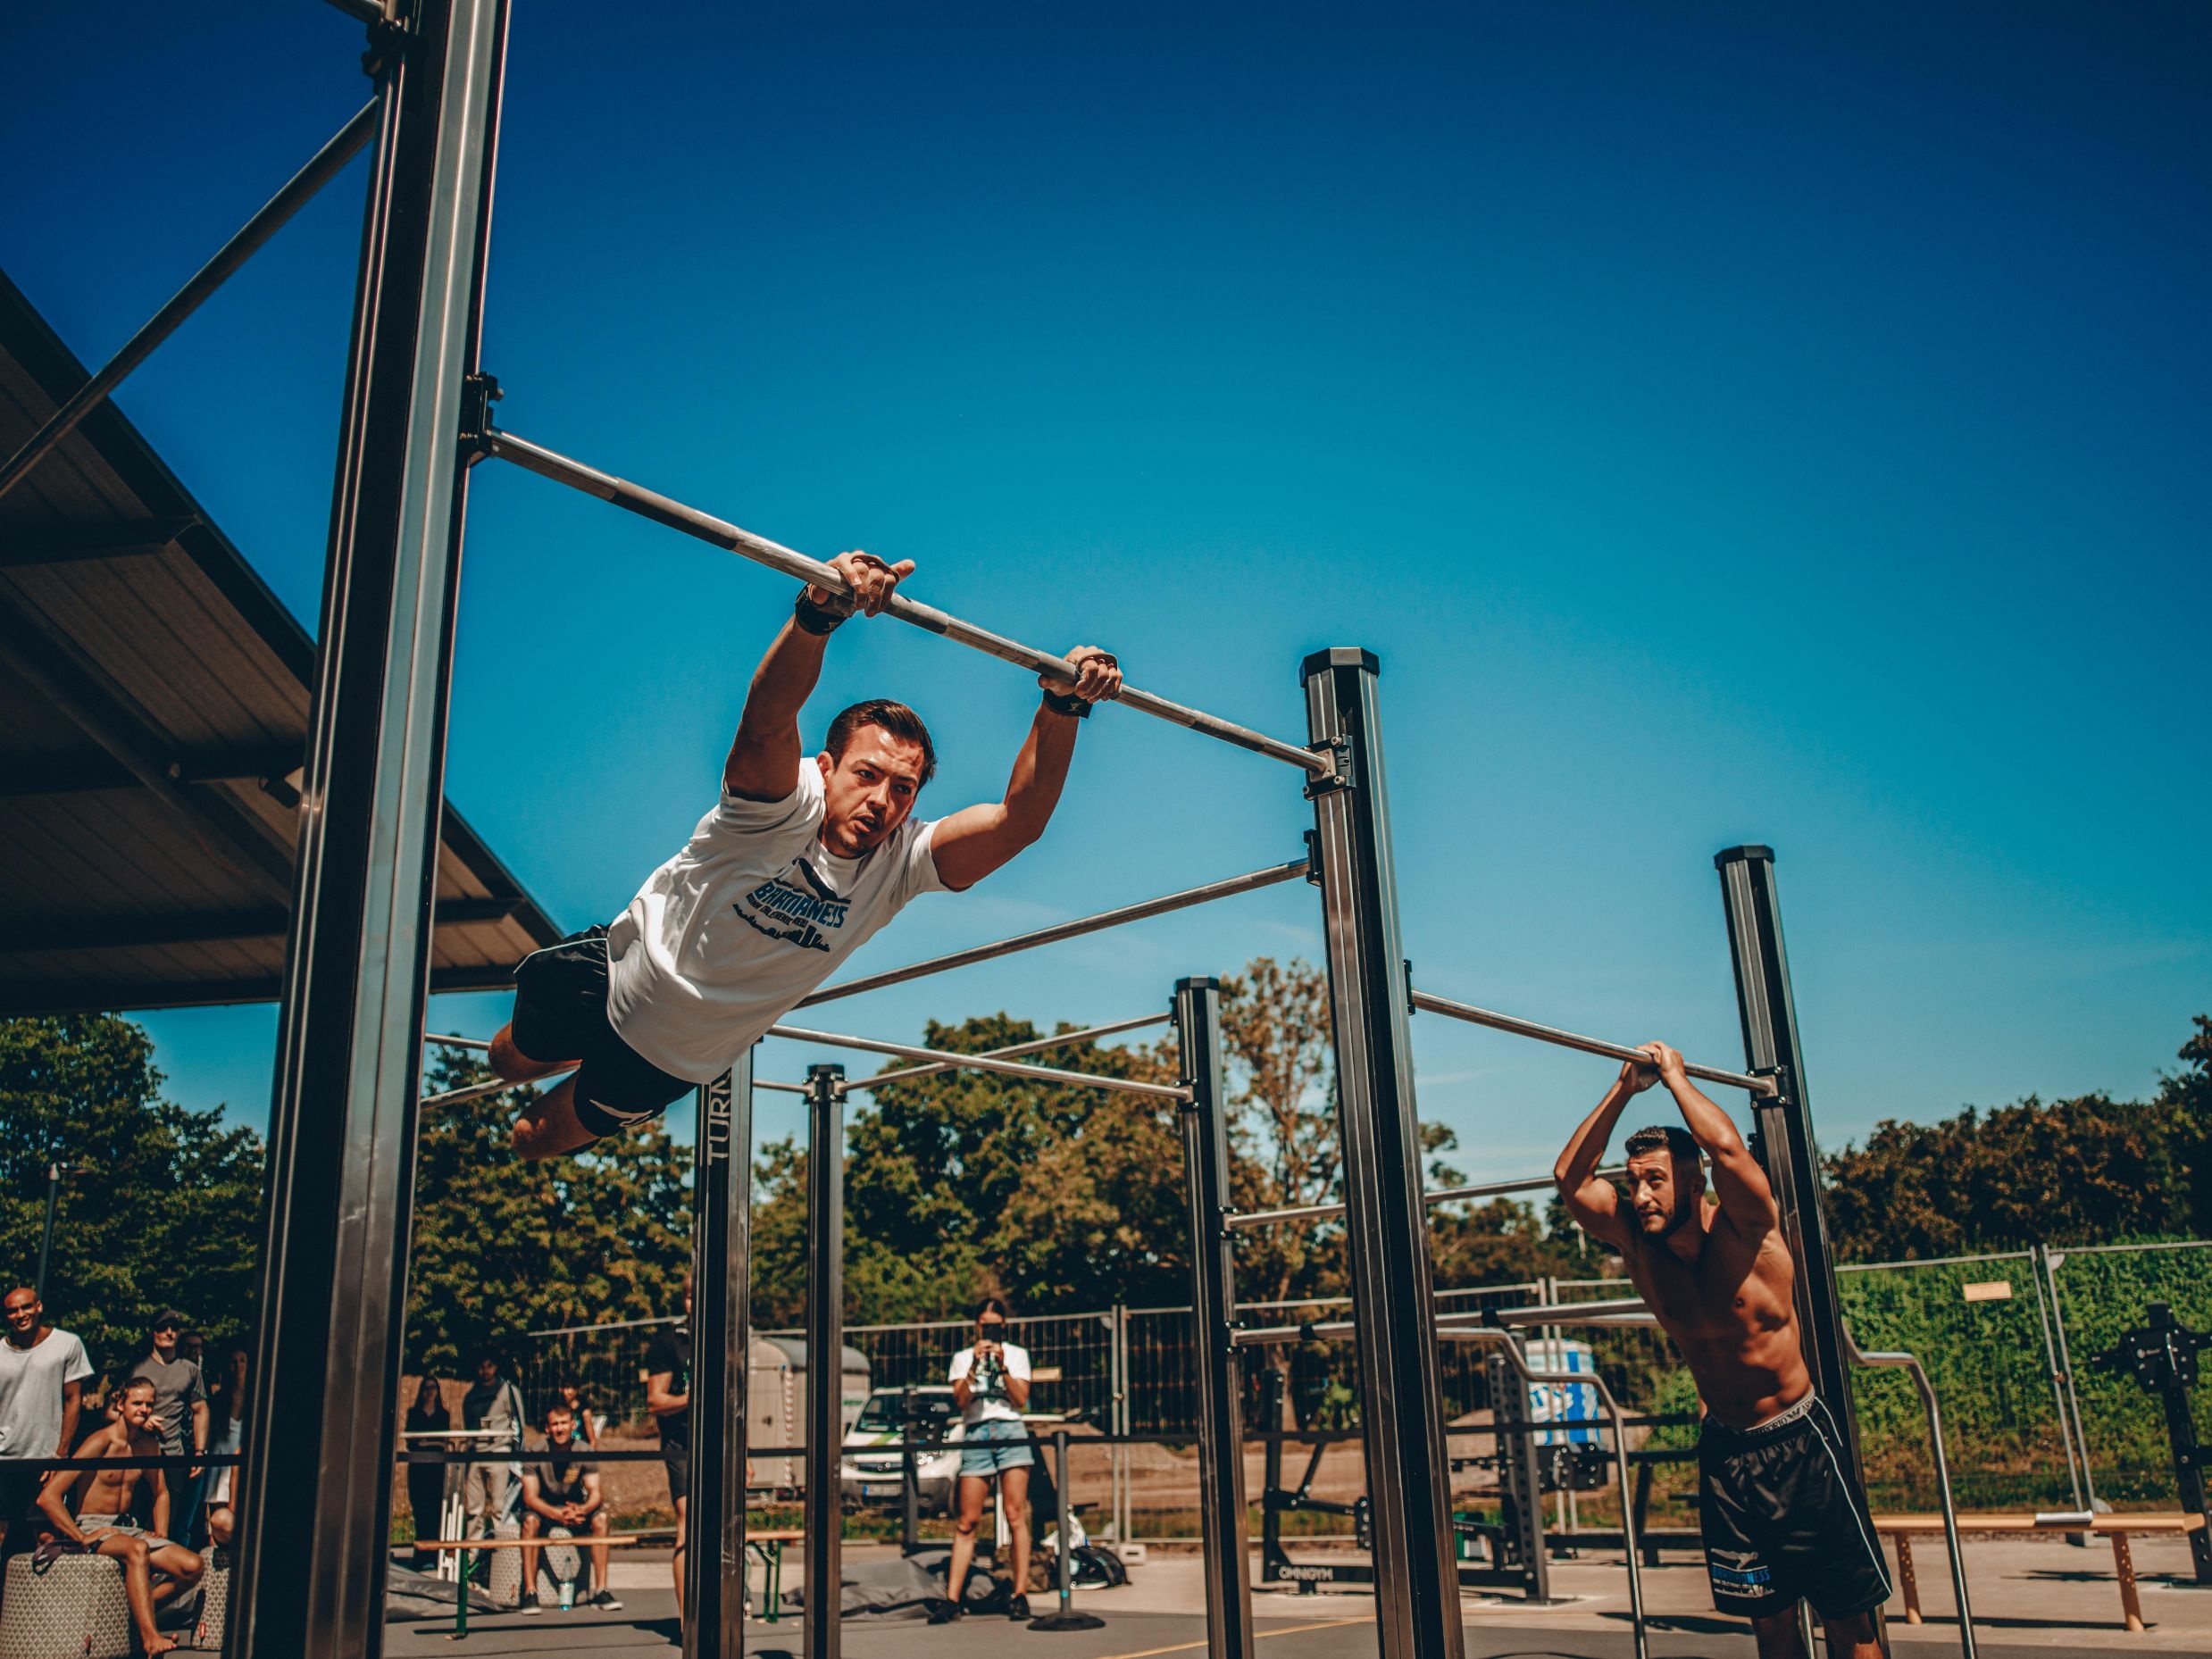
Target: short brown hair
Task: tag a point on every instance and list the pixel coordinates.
(895, 718)
(1664, 1137)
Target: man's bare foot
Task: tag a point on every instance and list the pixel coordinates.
(159, 1643)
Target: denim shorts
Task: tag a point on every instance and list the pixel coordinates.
(984, 1451)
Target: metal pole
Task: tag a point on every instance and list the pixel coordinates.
(825, 1360)
(976, 1063)
(1271, 876)
(722, 1191)
(1442, 1195)
(1784, 1122)
(326, 164)
(1386, 1234)
(1064, 1039)
(2051, 1262)
(1561, 1038)
(665, 510)
(1212, 1316)
(1911, 1364)
(316, 1486)
(2057, 1380)
(45, 1233)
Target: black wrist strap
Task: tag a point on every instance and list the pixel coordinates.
(814, 619)
(1070, 705)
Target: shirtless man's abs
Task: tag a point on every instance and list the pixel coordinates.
(1782, 1520)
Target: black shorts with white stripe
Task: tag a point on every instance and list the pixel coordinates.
(560, 1013)
(1783, 1521)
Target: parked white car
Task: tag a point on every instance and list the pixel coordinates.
(875, 1479)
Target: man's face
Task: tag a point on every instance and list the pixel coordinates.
(1657, 1192)
(165, 1341)
(192, 1346)
(869, 790)
(560, 1426)
(23, 1308)
(488, 1371)
(138, 1407)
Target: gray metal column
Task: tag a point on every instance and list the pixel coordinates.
(825, 1359)
(1386, 1222)
(1785, 1120)
(1213, 1313)
(317, 1481)
(722, 1335)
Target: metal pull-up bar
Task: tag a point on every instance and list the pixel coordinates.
(1268, 877)
(976, 1063)
(665, 510)
(1442, 1195)
(325, 165)
(1560, 1038)
(1065, 1039)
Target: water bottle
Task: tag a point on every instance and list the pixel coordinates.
(568, 1595)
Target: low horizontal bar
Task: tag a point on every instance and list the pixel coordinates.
(1065, 1041)
(1442, 1194)
(325, 165)
(665, 510)
(1626, 1311)
(441, 1040)
(1560, 1038)
(480, 1091)
(781, 1087)
(977, 1063)
(1228, 887)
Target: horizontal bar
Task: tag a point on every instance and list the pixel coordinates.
(1228, 887)
(665, 510)
(479, 1091)
(1626, 1311)
(977, 1063)
(1442, 1194)
(1569, 1039)
(324, 166)
(441, 1040)
(1065, 1041)
(782, 1089)
(365, 11)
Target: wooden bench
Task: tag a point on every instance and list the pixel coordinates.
(1901, 1530)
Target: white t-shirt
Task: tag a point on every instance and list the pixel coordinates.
(31, 1393)
(992, 1403)
(725, 938)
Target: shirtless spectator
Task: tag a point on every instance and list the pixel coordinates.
(1783, 1521)
(561, 1489)
(87, 1506)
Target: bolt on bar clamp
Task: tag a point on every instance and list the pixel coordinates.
(1339, 749)
(479, 392)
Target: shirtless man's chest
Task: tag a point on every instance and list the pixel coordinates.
(1731, 1311)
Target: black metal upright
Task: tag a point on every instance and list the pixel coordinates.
(825, 1359)
(1213, 1314)
(721, 1337)
(1784, 1120)
(317, 1478)
(1386, 1222)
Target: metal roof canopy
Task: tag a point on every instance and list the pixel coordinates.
(154, 709)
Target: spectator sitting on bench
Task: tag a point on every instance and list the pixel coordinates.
(561, 1489)
(86, 1506)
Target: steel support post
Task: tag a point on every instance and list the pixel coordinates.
(721, 1337)
(825, 1359)
(317, 1483)
(1213, 1313)
(1386, 1222)
(1784, 1122)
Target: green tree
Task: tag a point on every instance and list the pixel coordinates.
(502, 1247)
(166, 1210)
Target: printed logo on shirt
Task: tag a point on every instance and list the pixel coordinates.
(782, 909)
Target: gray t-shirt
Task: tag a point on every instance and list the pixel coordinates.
(31, 1393)
(178, 1387)
(559, 1476)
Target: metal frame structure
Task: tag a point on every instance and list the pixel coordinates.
(348, 1093)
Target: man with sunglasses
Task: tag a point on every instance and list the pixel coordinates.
(990, 1385)
(180, 1418)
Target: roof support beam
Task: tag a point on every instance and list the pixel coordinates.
(51, 996)
(90, 774)
(233, 927)
(71, 543)
(102, 711)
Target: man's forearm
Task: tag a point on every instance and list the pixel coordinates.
(1040, 772)
(72, 1403)
(199, 1426)
(767, 741)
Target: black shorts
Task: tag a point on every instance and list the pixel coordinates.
(1782, 1522)
(560, 1013)
(677, 1459)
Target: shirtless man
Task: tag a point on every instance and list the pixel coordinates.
(89, 1506)
(1781, 1520)
(802, 859)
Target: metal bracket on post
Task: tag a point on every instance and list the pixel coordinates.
(479, 393)
(390, 40)
(1339, 749)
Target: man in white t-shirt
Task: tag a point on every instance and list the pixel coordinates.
(43, 1373)
(798, 864)
(990, 1385)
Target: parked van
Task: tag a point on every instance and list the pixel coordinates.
(877, 1479)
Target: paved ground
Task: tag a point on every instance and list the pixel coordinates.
(2034, 1598)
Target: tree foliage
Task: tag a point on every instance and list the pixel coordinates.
(162, 1207)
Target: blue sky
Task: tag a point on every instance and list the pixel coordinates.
(1725, 424)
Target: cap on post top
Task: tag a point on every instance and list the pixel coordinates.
(1338, 656)
(1198, 982)
(1753, 854)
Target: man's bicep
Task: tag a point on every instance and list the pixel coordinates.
(972, 843)
(1746, 1197)
(763, 765)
